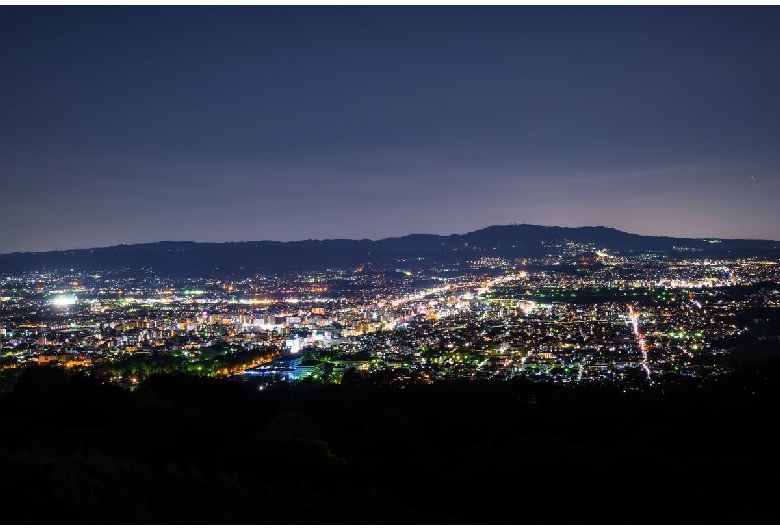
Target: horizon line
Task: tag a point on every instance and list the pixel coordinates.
(513, 223)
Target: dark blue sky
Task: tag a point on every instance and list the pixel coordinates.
(138, 124)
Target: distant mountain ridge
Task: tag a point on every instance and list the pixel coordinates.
(189, 258)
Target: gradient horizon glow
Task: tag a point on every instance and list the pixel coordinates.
(126, 124)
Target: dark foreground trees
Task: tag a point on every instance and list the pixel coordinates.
(183, 449)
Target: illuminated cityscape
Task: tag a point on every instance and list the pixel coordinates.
(578, 315)
(389, 264)
(412, 373)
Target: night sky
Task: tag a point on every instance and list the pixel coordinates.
(141, 124)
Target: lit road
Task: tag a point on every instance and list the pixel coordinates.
(640, 338)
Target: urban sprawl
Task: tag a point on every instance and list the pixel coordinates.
(578, 316)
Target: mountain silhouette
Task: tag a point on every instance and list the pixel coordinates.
(188, 258)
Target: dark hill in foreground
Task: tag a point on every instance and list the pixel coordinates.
(206, 259)
(185, 450)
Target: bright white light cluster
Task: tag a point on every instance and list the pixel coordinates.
(64, 300)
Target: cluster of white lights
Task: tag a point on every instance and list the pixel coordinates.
(64, 300)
